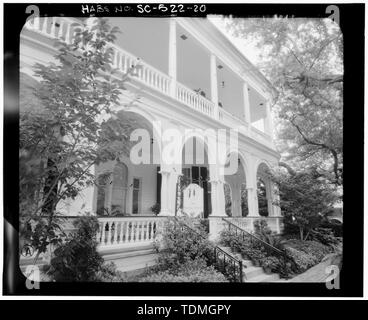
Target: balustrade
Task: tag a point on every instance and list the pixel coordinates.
(122, 231)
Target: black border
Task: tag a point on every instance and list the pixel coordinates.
(351, 280)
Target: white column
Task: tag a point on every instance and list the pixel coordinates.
(218, 198)
(268, 120)
(246, 103)
(252, 202)
(172, 56)
(164, 193)
(214, 89)
(168, 192)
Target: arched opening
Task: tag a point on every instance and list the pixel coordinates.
(236, 179)
(262, 198)
(193, 186)
(125, 185)
(264, 191)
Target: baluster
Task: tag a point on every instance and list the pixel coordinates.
(150, 228)
(36, 23)
(108, 241)
(61, 29)
(99, 232)
(53, 27)
(138, 232)
(44, 26)
(145, 223)
(114, 232)
(103, 233)
(67, 33)
(121, 236)
(129, 232)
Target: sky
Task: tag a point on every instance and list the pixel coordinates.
(247, 48)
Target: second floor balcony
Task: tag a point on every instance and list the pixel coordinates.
(174, 59)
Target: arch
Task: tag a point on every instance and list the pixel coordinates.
(194, 172)
(264, 188)
(236, 181)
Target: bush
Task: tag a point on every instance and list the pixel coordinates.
(270, 262)
(325, 236)
(77, 259)
(305, 254)
(191, 271)
(180, 244)
(108, 273)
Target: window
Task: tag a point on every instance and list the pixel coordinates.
(136, 195)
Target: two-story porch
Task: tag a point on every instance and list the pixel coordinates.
(188, 76)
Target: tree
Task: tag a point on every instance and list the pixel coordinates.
(62, 131)
(304, 200)
(302, 58)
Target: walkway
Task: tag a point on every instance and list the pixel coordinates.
(318, 272)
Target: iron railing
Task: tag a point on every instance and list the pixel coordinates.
(223, 261)
(254, 239)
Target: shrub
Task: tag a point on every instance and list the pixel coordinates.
(180, 244)
(108, 273)
(305, 254)
(270, 262)
(325, 236)
(77, 259)
(191, 271)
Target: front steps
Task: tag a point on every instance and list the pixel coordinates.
(252, 273)
(131, 261)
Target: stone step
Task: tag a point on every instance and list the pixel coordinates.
(274, 277)
(252, 272)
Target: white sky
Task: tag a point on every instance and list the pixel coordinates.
(247, 48)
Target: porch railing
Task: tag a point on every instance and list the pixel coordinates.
(226, 263)
(66, 28)
(126, 231)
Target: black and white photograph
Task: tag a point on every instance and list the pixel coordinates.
(197, 143)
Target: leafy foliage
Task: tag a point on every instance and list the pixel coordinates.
(305, 254)
(303, 60)
(304, 201)
(77, 259)
(191, 271)
(63, 126)
(179, 245)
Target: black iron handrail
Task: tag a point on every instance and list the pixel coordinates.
(264, 243)
(217, 250)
